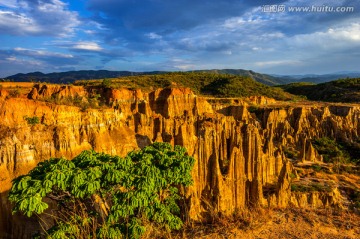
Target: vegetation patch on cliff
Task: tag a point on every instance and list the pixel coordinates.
(32, 120)
(93, 101)
(337, 152)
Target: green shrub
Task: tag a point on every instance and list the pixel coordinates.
(94, 101)
(331, 151)
(316, 167)
(353, 149)
(311, 187)
(32, 120)
(298, 188)
(355, 198)
(107, 196)
(253, 109)
(106, 83)
(291, 153)
(76, 100)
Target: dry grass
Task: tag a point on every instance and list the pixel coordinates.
(17, 84)
(277, 223)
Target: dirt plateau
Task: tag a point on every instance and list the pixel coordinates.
(240, 159)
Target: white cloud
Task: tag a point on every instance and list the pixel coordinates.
(332, 38)
(18, 24)
(28, 17)
(8, 3)
(86, 46)
(11, 58)
(90, 32)
(277, 63)
(153, 35)
(20, 59)
(240, 22)
(79, 46)
(40, 53)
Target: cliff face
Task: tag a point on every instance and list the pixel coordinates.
(240, 158)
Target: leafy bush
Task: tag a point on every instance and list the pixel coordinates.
(118, 196)
(93, 101)
(253, 109)
(106, 83)
(32, 120)
(311, 187)
(316, 167)
(332, 151)
(355, 198)
(291, 153)
(353, 149)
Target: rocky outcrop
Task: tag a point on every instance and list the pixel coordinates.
(240, 160)
(46, 91)
(317, 199)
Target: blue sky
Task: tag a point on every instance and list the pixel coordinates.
(146, 35)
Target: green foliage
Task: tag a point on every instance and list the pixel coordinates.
(142, 187)
(343, 90)
(338, 152)
(71, 76)
(160, 82)
(311, 187)
(331, 151)
(218, 85)
(106, 83)
(253, 109)
(316, 167)
(92, 101)
(355, 198)
(353, 150)
(32, 120)
(291, 153)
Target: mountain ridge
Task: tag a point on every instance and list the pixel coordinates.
(69, 77)
(342, 90)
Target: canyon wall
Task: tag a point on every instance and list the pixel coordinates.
(239, 151)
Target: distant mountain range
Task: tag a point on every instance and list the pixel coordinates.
(267, 79)
(71, 76)
(312, 78)
(262, 78)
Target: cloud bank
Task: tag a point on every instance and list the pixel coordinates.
(178, 35)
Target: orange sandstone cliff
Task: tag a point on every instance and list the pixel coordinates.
(240, 159)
